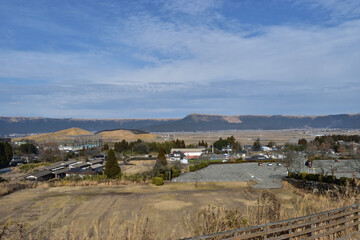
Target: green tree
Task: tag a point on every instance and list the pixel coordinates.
(271, 144)
(105, 147)
(122, 146)
(112, 169)
(256, 145)
(220, 143)
(8, 151)
(161, 159)
(302, 142)
(236, 146)
(28, 148)
(202, 143)
(5, 154)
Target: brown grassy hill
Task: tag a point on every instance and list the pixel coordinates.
(118, 135)
(60, 135)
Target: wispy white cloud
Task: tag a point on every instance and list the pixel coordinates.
(150, 65)
(339, 9)
(191, 7)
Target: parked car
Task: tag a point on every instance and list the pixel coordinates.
(279, 164)
(269, 164)
(259, 164)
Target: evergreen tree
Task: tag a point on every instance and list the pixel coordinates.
(3, 159)
(161, 159)
(256, 145)
(112, 168)
(28, 148)
(220, 143)
(105, 147)
(5, 154)
(8, 151)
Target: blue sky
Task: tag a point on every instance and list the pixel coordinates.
(163, 58)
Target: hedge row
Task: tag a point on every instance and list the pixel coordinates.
(198, 166)
(343, 181)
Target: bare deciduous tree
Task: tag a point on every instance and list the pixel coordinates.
(291, 161)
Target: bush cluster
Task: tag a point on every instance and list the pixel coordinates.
(343, 181)
(158, 181)
(199, 166)
(30, 166)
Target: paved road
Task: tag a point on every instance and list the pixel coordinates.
(344, 168)
(266, 176)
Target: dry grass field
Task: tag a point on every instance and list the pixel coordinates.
(247, 137)
(118, 135)
(138, 166)
(107, 136)
(132, 211)
(57, 136)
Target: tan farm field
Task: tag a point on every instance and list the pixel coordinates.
(247, 137)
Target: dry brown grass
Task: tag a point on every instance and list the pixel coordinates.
(57, 136)
(132, 211)
(249, 136)
(118, 135)
(10, 187)
(138, 166)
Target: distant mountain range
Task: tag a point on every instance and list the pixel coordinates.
(192, 122)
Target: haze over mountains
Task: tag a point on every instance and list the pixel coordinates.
(192, 122)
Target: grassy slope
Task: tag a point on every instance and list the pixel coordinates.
(118, 135)
(60, 135)
(169, 208)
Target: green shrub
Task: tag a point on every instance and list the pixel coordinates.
(303, 176)
(158, 181)
(320, 177)
(312, 177)
(161, 176)
(30, 166)
(175, 173)
(329, 179)
(192, 168)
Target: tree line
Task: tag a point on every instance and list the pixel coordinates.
(6, 154)
(142, 147)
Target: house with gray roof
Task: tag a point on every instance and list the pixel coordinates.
(40, 176)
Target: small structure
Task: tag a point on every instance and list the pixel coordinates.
(240, 154)
(40, 176)
(257, 157)
(95, 161)
(226, 149)
(55, 166)
(176, 156)
(100, 156)
(247, 147)
(79, 172)
(266, 149)
(16, 160)
(97, 168)
(60, 173)
(70, 163)
(189, 153)
(79, 165)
